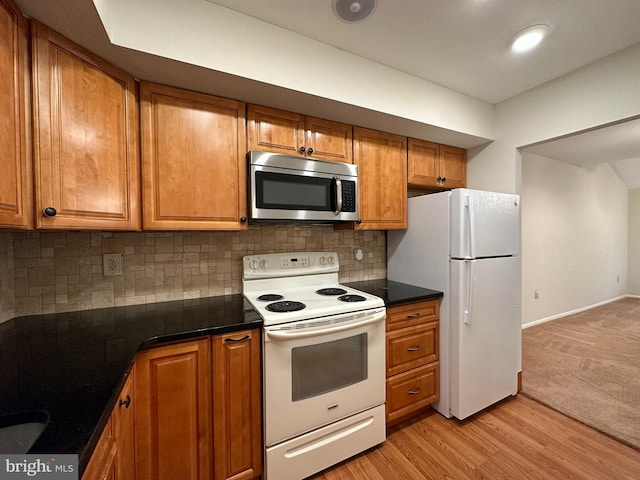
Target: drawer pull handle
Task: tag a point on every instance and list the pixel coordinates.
(241, 339)
(413, 349)
(415, 315)
(414, 392)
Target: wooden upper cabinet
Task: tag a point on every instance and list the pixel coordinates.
(193, 160)
(15, 181)
(237, 405)
(173, 431)
(436, 167)
(290, 133)
(382, 179)
(85, 138)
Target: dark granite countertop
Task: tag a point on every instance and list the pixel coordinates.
(71, 366)
(395, 293)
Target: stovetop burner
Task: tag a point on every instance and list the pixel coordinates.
(270, 297)
(331, 291)
(285, 306)
(352, 298)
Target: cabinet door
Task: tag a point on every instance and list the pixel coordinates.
(453, 167)
(85, 139)
(382, 179)
(102, 465)
(173, 412)
(15, 181)
(123, 427)
(329, 140)
(193, 160)
(423, 163)
(275, 131)
(237, 405)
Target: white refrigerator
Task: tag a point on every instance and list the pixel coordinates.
(466, 243)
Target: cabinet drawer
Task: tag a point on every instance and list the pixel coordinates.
(411, 347)
(411, 391)
(412, 314)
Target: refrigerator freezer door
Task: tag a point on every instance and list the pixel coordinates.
(484, 224)
(485, 332)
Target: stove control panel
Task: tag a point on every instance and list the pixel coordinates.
(273, 265)
(299, 261)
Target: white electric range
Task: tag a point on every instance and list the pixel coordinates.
(323, 362)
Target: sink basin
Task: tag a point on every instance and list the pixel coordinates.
(18, 432)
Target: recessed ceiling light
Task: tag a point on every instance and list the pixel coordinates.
(353, 10)
(528, 38)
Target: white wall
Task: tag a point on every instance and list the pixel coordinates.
(574, 236)
(603, 92)
(250, 48)
(634, 241)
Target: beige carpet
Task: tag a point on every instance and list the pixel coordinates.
(588, 366)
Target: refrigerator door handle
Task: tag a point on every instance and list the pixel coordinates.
(468, 203)
(470, 284)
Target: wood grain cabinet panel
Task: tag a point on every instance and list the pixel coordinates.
(413, 354)
(85, 138)
(279, 131)
(15, 180)
(173, 412)
(113, 456)
(435, 167)
(237, 406)
(412, 347)
(194, 160)
(382, 179)
(412, 391)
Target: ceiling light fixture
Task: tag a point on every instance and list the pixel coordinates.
(528, 38)
(353, 10)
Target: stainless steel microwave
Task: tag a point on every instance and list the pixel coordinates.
(288, 188)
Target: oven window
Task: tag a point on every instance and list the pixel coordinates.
(324, 367)
(293, 192)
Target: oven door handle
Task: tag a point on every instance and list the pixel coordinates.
(287, 334)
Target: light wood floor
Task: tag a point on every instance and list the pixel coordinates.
(517, 439)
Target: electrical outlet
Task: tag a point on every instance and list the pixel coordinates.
(112, 264)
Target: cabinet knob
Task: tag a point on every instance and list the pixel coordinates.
(243, 219)
(302, 150)
(126, 402)
(49, 212)
(310, 151)
(444, 179)
(439, 179)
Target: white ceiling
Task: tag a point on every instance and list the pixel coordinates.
(459, 44)
(462, 44)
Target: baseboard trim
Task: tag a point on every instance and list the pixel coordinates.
(573, 312)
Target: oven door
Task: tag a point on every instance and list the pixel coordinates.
(322, 370)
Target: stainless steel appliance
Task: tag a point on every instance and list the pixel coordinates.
(286, 188)
(466, 243)
(323, 362)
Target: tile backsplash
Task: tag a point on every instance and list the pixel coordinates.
(47, 272)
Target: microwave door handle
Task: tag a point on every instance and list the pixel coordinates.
(338, 195)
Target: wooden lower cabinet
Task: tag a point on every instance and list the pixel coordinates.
(413, 366)
(113, 456)
(198, 409)
(237, 406)
(173, 412)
